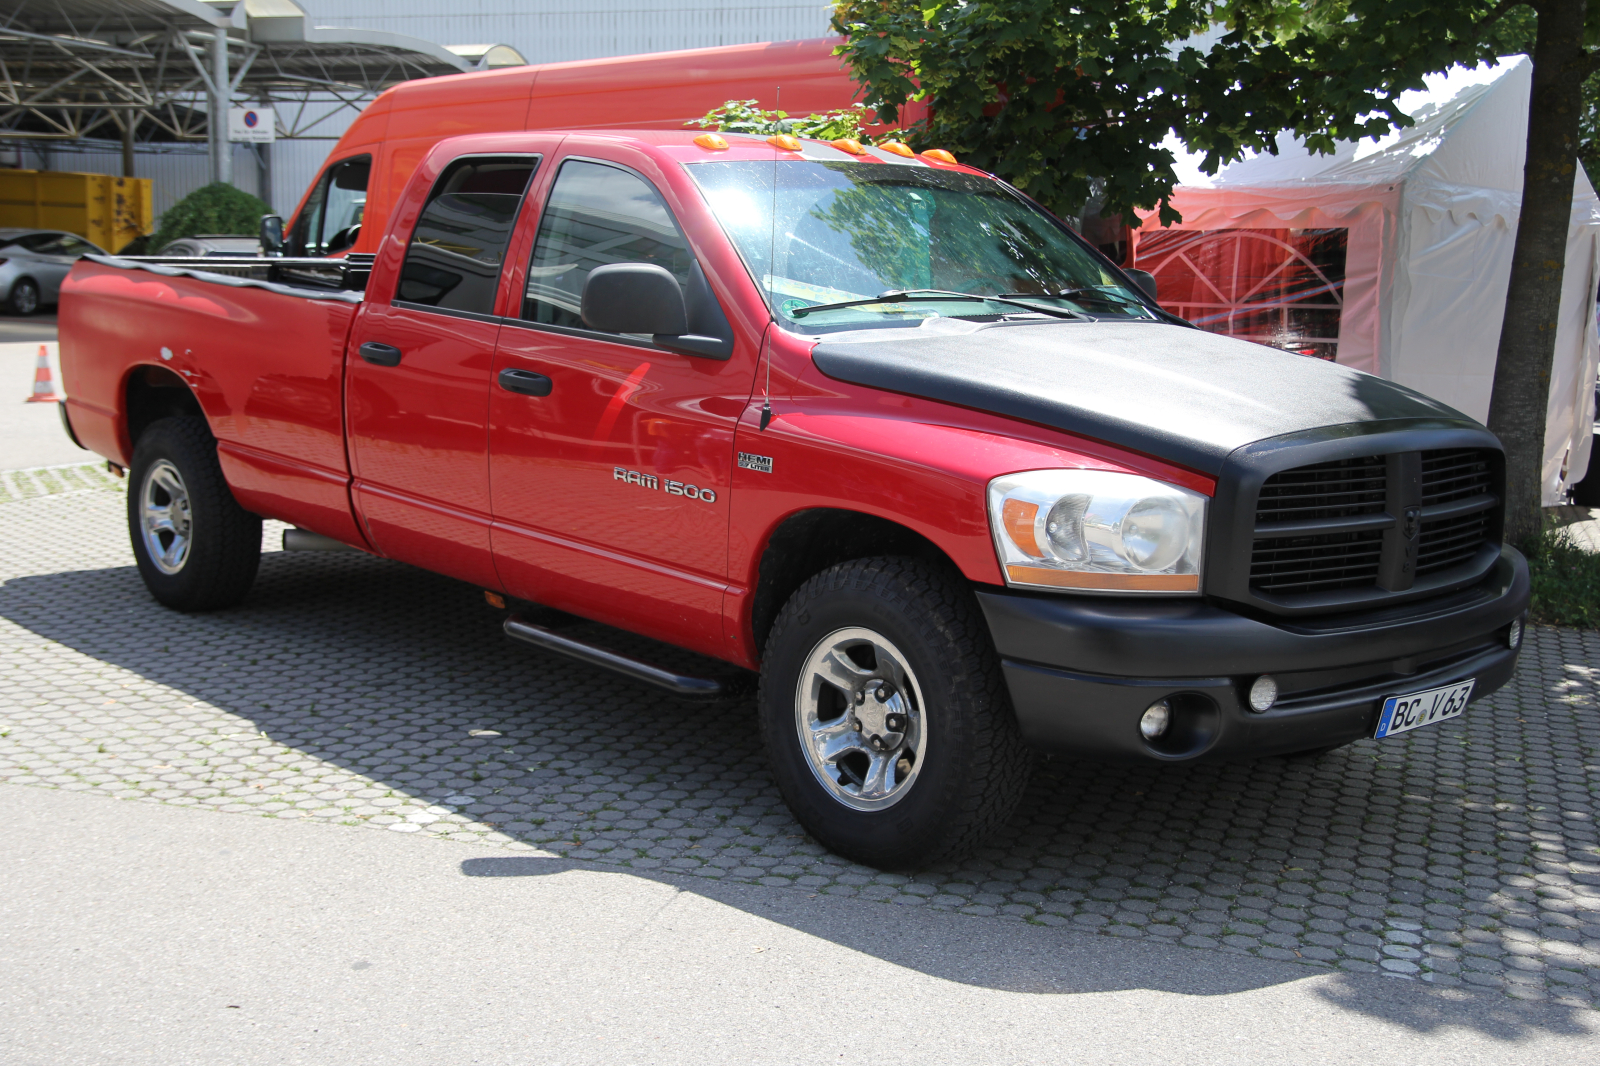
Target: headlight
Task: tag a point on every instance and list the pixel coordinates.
(1097, 531)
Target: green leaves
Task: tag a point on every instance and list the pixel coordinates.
(746, 116)
(1057, 96)
(214, 208)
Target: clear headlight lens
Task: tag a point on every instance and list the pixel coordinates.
(1095, 530)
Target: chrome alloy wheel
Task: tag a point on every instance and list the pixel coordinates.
(858, 709)
(164, 517)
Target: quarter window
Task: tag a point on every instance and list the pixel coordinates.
(459, 246)
(597, 214)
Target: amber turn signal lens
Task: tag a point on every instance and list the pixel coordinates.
(897, 148)
(784, 141)
(848, 144)
(1103, 582)
(1018, 517)
(939, 154)
(494, 599)
(711, 142)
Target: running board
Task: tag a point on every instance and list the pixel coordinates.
(303, 540)
(701, 688)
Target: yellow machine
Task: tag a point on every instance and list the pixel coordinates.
(107, 210)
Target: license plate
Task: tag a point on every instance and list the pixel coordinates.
(1402, 713)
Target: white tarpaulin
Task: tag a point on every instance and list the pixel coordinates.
(1392, 257)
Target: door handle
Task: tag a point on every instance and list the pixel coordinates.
(526, 382)
(380, 354)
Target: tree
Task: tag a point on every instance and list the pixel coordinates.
(1054, 95)
(214, 208)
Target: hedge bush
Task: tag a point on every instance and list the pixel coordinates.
(214, 208)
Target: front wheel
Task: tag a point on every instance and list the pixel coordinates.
(24, 298)
(197, 549)
(885, 715)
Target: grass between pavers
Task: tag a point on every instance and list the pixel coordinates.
(52, 480)
(1566, 580)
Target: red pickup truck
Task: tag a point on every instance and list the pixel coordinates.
(868, 422)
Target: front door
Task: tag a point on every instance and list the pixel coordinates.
(417, 385)
(611, 457)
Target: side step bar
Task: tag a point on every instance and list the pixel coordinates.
(303, 540)
(702, 688)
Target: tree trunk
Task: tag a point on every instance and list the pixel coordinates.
(1521, 397)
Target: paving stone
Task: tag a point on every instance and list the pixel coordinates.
(355, 690)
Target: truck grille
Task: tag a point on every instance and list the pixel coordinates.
(1344, 488)
(1450, 477)
(1333, 526)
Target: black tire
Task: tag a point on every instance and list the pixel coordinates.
(223, 540)
(24, 297)
(975, 766)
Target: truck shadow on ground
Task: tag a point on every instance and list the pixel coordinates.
(372, 677)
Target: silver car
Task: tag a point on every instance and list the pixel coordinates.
(34, 262)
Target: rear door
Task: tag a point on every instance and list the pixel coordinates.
(417, 387)
(611, 456)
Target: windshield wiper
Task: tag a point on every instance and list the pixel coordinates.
(1103, 294)
(1021, 298)
(892, 296)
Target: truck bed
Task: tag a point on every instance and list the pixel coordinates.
(263, 357)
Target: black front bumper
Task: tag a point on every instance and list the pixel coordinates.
(1082, 670)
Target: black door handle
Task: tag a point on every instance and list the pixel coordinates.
(526, 382)
(380, 354)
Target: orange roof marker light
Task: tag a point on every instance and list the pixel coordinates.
(711, 142)
(939, 154)
(784, 141)
(848, 144)
(897, 148)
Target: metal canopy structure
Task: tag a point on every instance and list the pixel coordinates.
(167, 70)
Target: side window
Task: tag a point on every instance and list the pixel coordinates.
(596, 215)
(40, 243)
(453, 261)
(331, 220)
(71, 245)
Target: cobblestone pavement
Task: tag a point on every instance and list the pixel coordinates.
(355, 690)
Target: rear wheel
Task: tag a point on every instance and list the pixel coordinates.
(24, 298)
(885, 715)
(197, 549)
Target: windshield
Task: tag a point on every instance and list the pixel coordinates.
(850, 231)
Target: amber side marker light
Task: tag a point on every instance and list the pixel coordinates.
(897, 148)
(939, 154)
(711, 142)
(494, 599)
(784, 141)
(1074, 579)
(848, 144)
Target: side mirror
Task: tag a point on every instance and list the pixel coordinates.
(272, 234)
(633, 298)
(1144, 279)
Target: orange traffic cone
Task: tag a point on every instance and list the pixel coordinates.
(44, 388)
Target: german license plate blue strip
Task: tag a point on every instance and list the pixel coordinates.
(1404, 713)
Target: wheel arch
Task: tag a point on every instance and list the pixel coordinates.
(807, 542)
(151, 393)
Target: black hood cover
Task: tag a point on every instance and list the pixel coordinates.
(1180, 394)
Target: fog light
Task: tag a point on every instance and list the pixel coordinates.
(1263, 694)
(1514, 637)
(1156, 718)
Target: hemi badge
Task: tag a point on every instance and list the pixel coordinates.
(762, 463)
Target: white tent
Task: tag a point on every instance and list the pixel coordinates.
(1392, 257)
